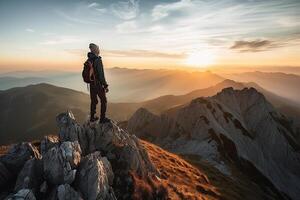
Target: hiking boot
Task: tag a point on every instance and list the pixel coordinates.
(93, 119)
(104, 120)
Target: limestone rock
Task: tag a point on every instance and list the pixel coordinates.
(31, 176)
(24, 194)
(66, 192)
(60, 163)
(123, 149)
(47, 143)
(70, 130)
(94, 177)
(14, 160)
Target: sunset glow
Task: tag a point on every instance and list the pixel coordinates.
(149, 34)
(200, 59)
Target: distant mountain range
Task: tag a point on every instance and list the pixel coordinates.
(126, 85)
(282, 84)
(232, 128)
(35, 107)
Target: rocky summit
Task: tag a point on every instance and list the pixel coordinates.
(90, 161)
(237, 128)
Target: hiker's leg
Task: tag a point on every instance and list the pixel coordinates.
(94, 100)
(102, 96)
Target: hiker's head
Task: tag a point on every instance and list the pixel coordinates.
(94, 48)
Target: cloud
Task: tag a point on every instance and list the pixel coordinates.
(30, 30)
(94, 4)
(253, 46)
(126, 10)
(62, 40)
(77, 19)
(127, 27)
(142, 53)
(132, 53)
(162, 11)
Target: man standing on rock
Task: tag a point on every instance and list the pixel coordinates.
(98, 84)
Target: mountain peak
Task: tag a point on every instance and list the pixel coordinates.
(234, 126)
(92, 161)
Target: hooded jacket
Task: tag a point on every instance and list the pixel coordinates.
(98, 68)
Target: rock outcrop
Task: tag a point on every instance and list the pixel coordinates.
(12, 162)
(92, 161)
(234, 126)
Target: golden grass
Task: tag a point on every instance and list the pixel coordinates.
(182, 180)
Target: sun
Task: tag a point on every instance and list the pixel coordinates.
(200, 59)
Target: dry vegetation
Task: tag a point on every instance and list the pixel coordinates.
(3, 150)
(182, 180)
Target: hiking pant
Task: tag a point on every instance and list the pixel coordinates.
(96, 89)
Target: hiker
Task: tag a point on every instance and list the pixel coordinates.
(93, 74)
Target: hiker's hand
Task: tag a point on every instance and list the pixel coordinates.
(106, 89)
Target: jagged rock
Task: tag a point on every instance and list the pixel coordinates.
(47, 143)
(31, 176)
(14, 160)
(94, 177)
(24, 194)
(122, 148)
(70, 130)
(66, 192)
(60, 163)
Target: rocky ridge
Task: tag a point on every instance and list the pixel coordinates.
(238, 127)
(92, 161)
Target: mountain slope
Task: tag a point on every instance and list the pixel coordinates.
(102, 161)
(8, 82)
(34, 108)
(29, 104)
(126, 85)
(234, 126)
(167, 102)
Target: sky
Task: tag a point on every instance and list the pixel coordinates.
(39, 34)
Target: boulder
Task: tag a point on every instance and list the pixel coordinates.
(123, 149)
(12, 162)
(24, 194)
(66, 192)
(60, 163)
(47, 143)
(94, 177)
(31, 176)
(70, 130)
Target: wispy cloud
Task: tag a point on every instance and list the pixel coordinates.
(30, 30)
(164, 10)
(76, 19)
(253, 46)
(126, 10)
(136, 53)
(127, 27)
(62, 40)
(143, 53)
(94, 4)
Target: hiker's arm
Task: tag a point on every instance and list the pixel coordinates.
(99, 66)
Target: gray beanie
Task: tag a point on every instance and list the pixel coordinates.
(94, 48)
